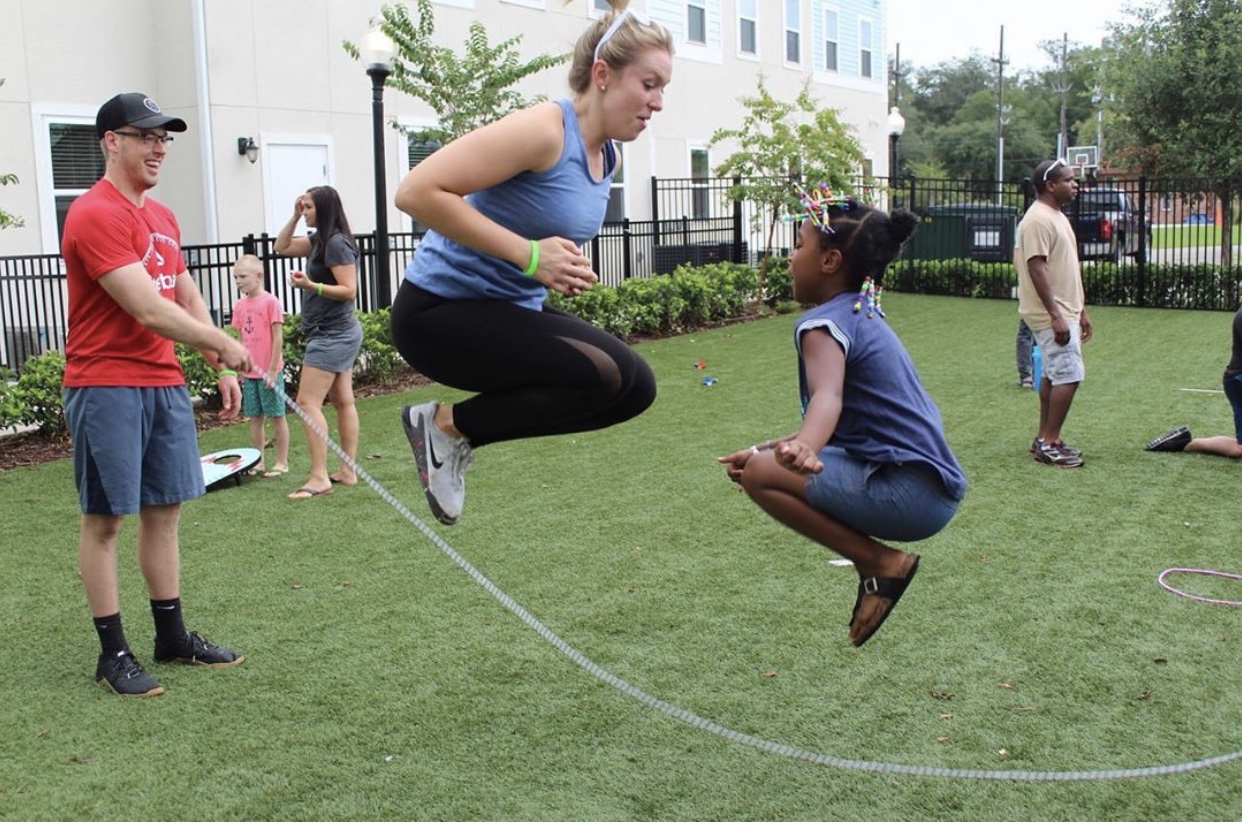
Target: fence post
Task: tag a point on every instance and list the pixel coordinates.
(737, 225)
(1141, 258)
(655, 208)
(627, 261)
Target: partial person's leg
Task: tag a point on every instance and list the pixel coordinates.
(159, 552)
(97, 562)
(1223, 444)
(537, 373)
(342, 396)
(1024, 345)
(782, 494)
(312, 389)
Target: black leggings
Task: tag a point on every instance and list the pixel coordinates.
(537, 373)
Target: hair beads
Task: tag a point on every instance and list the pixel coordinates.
(869, 297)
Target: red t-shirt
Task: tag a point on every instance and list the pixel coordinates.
(107, 347)
(254, 318)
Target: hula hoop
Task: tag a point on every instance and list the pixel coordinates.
(1212, 572)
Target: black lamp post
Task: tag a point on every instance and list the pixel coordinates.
(378, 51)
(896, 125)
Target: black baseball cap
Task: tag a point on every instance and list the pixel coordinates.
(134, 109)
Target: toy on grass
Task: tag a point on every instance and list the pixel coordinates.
(228, 464)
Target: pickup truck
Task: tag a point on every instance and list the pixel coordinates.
(1107, 224)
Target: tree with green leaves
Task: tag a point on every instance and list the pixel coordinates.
(465, 92)
(783, 144)
(1176, 74)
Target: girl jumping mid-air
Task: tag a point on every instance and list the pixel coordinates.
(870, 461)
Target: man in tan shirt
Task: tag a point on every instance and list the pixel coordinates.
(1052, 302)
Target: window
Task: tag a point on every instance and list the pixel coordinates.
(747, 28)
(700, 174)
(696, 22)
(77, 163)
(832, 40)
(418, 150)
(865, 42)
(616, 197)
(793, 31)
(602, 5)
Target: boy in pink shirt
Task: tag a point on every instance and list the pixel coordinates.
(261, 322)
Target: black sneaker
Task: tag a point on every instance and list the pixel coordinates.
(121, 673)
(194, 649)
(1068, 450)
(1175, 440)
(1059, 456)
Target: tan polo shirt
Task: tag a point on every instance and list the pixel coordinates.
(1047, 231)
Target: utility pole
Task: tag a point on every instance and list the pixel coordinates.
(1063, 135)
(1000, 62)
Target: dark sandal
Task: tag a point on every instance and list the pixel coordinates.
(890, 588)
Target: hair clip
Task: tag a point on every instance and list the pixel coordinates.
(869, 297)
(817, 203)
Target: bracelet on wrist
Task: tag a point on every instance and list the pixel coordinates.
(224, 373)
(319, 289)
(533, 266)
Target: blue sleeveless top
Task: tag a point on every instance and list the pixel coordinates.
(886, 415)
(564, 201)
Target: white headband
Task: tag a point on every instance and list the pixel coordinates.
(616, 24)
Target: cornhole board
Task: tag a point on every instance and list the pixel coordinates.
(228, 464)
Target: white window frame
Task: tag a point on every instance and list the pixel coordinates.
(828, 14)
(753, 19)
(866, 46)
(407, 222)
(791, 27)
(624, 186)
(701, 6)
(42, 119)
(694, 147)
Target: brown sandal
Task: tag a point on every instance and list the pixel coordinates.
(889, 588)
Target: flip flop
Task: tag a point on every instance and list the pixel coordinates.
(255, 471)
(306, 492)
(337, 480)
(276, 473)
(890, 589)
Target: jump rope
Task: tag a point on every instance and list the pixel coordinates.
(727, 733)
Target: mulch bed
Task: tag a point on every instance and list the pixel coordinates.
(32, 449)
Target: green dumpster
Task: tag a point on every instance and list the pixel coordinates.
(974, 231)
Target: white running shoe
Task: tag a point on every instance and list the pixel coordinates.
(442, 461)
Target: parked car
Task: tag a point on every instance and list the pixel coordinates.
(1107, 224)
(1197, 218)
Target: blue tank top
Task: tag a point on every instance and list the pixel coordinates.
(886, 415)
(564, 201)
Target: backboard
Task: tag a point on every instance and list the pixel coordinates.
(1083, 158)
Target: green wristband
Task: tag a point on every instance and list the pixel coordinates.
(224, 373)
(533, 266)
(319, 289)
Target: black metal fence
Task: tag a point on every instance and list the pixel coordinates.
(1186, 255)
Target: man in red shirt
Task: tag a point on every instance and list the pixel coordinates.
(135, 445)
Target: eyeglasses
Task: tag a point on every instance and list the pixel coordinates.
(148, 139)
(641, 19)
(1055, 163)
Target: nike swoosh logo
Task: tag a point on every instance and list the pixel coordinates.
(431, 448)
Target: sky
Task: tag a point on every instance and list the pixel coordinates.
(934, 32)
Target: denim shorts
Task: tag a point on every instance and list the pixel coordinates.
(1062, 364)
(334, 351)
(133, 447)
(891, 502)
(261, 400)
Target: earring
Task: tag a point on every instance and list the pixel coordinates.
(603, 88)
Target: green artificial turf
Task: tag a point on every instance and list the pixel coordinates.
(384, 683)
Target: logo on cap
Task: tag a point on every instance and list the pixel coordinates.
(151, 104)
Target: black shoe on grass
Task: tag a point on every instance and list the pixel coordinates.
(196, 650)
(121, 673)
(1175, 440)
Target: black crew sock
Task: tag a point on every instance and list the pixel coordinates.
(111, 634)
(169, 625)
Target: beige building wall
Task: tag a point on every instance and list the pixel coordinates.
(275, 70)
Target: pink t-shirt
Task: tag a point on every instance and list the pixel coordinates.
(104, 232)
(254, 317)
